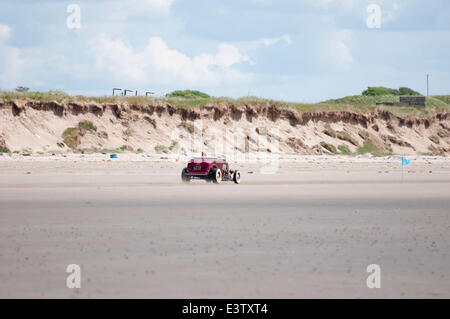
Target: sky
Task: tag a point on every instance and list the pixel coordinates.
(290, 50)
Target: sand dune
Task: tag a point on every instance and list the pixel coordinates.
(31, 126)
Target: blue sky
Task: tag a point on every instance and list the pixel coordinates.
(298, 50)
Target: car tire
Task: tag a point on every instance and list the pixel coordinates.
(237, 177)
(216, 175)
(185, 178)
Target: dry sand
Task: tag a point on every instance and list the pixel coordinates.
(309, 230)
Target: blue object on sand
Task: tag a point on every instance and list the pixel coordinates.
(405, 161)
(113, 156)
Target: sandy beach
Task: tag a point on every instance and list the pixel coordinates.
(308, 230)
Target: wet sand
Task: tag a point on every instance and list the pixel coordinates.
(309, 230)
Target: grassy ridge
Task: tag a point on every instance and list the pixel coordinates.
(368, 103)
(357, 103)
(443, 98)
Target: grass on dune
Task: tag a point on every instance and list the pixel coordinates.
(445, 99)
(356, 103)
(372, 148)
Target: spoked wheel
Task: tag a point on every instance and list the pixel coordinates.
(237, 177)
(184, 177)
(216, 175)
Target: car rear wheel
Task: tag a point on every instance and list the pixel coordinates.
(184, 177)
(216, 175)
(237, 177)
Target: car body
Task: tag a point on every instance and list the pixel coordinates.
(212, 169)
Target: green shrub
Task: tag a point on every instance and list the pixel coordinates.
(329, 131)
(342, 135)
(436, 150)
(407, 91)
(442, 133)
(344, 150)
(434, 139)
(329, 147)
(4, 149)
(174, 145)
(371, 147)
(71, 137)
(379, 90)
(188, 126)
(87, 126)
(160, 148)
(188, 94)
(121, 149)
(374, 91)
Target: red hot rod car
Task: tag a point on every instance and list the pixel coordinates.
(211, 169)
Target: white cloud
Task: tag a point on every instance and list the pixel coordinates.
(271, 41)
(123, 10)
(347, 4)
(12, 61)
(155, 6)
(16, 66)
(227, 56)
(114, 11)
(116, 57)
(158, 64)
(5, 32)
(339, 50)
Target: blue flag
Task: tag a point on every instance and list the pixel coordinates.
(405, 161)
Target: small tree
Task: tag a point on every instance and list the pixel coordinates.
(407, 91)
(22, 89)
(376, 91)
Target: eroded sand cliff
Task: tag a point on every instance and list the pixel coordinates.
(33, 126)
